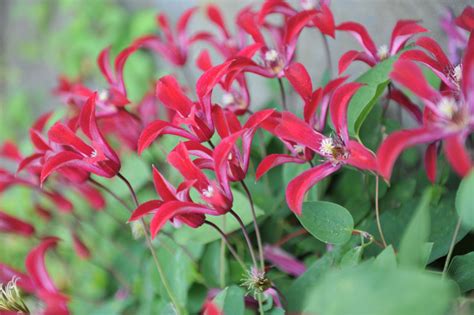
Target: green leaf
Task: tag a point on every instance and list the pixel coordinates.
(352, 257)
(206, 234)
(386, 259)
(412, 245)
(211, 265)
(231, 300)
(462, 271)
(465, 200)
(366, 289)
(375, 80)
(327, 221)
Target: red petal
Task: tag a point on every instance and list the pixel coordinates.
(210, 308)
(171, 94)
(42, 121)
(144, 209)
(247, 20)
(11, 224)
(431, 156)
(120, 63)
(402, 32)
(92, 195)
(324, 20)
(468, 73)
(183, 21)
(457, 154)
(300, 79)
(38, 141)
(160, 127)
(295, 24)
(398, 141)
(10, 151)
(215, 15)
(57, 161)
(225, 121)
(298, 187)
(203, 61)
(338, 107)
(81, 249)
(179, 159)
(433, 47)
(466, 19)
(351, 56)
(273, 160)
(104, 64)
(173, 208)
(294, 129)
(24, 281)
(166, 191)
(360, 33)
(361, 157)
(408, 74)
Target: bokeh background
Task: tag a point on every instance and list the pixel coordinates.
(43, 39)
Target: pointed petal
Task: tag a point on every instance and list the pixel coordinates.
(183, 21)
(409, 75)
(173, 208)
(300, 79)
(179, 159)
(104, 64)
(158, 128)
(24, 281)
(169, 91)
(283, 260)
(81, 249)
(42, 121)
(435, 49)
(166, 191)
(324, 20)
(203, 60)
(361, 157)
(360, 33)
(466, 19)
(62, 134)
(295, 24)
(11, 224)
(398, 141)
(352, 55)
(119, 64)
(215, 15)
(10, 151)
(298, 187)
(457, 154)
(38, 141)
(468, 73)
(402, 32)
(57, 161)
(274, 160)
(294, 129)
(247, 20)
(144, 209)
(338, 107)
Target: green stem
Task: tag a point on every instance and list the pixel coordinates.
(255, 224)
(283, 94)
(159, 268)
(451, 247)
(246, 236)
(377, 212)
(260, 304)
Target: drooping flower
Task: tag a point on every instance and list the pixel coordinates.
(403, 31)
(448, 116)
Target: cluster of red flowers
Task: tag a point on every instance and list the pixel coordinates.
(218, 135)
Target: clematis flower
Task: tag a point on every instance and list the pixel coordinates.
(403, 31)
(448, 117)
(98, 157)
(209, 308)
(172, 46)
(337, 150)
(196, 116)
(11, 224)
(45, 289)
(277, 58)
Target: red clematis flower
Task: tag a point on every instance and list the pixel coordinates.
(448, 116)
(24, 281)
(197, 116)
(98, 157)
(323, 20)
(173, 47)
(44, 287)
(337, 150)
(402, 32)
(11, 224)
(275, 60)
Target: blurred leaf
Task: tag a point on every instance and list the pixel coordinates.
(327, 221)
(352, 257)
(367, 289)
(386, 259)
(415, 236)
(231, 300)
(462, 271)
(465, 200)
(211, 265)
(206, 234)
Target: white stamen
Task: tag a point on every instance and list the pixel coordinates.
(271, 55)
(230, 156)
(447, 107)
(209, 192)
(228, 99)
(327, 146)
(457, 73)
(308, 4)
(382, 52)
(103, 95)
(93, 154)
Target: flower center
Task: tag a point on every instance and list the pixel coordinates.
(447, 107)
(308, 4)
(383, 52)
(209, 192)
(457, 73)
(103, 95)
(334, 150)
(299, 149)
(93, 154)
(228, 99)
(274, 61)
(327, 146)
